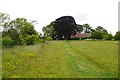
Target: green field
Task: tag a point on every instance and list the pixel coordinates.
(62, 59)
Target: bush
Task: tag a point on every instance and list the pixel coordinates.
(30, 39)
(7, 42)
(13, 34)
(108, 37)
(43, 40)
(97, 35)
(48, 38)
(117, 36)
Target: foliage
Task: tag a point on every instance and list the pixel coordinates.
(79, 28)
(97, 35)
(19, 30)
(30, 39)
(87, 28)
(61, 28)
(65, 26)
(100, 33)
(117, 35)
(102, 30)
(7, 42)
(27, 29)
(13, 34)
(108, 37)
(3, 18)
(49, 30)
(27, 34)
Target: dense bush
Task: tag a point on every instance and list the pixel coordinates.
(97, 35)
(13, 34)
(7, 42)
(117, 36)
(29, 39)
(108, 37)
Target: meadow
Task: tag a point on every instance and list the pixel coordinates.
(62, 59)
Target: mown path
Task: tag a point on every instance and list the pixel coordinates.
(82, 65)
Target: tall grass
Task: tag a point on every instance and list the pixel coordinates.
(62, 59)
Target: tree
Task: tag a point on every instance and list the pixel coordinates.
(9, 29)
(64, 27)
(13, 34)
(97, 35)
(19, 23)
(49, 30)
(20, 31)
(3, 18)
(28, 34)
(109, 37)
(12, 29)
(102, 30)
(117, 35)
(79, 28)
(87, 28)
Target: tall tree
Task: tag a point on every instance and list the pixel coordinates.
(87, 28)
(101, 29)
(49, 30)
(28, 34)
(3, 18)
(20, 30)
(79, 28)
(12, 29)
(99, 33)
(65, 26)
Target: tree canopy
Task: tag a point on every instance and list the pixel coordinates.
(117, 35)
(100, 33)
(62, 28)
(18, 31)
(4, 18)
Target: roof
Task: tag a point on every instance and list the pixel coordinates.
(81, 35)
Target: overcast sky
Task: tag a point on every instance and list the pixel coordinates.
(94, 12)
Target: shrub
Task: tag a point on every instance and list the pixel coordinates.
(97, 35)
(7, 42)
(43, 40)
(31, 39)
(117, 36)
(108, 37)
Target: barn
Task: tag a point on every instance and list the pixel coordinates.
(81, 35)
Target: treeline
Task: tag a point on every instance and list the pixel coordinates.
(65, 26)
(21, 31)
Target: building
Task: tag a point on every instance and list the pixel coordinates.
(81, 35)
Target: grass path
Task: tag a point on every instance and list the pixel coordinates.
(87, 66)
(62, 59)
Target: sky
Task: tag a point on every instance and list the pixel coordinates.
(94, 12)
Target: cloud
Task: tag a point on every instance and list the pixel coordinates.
(94, 12)
(81, 18)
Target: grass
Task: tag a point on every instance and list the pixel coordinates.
(62, 59)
